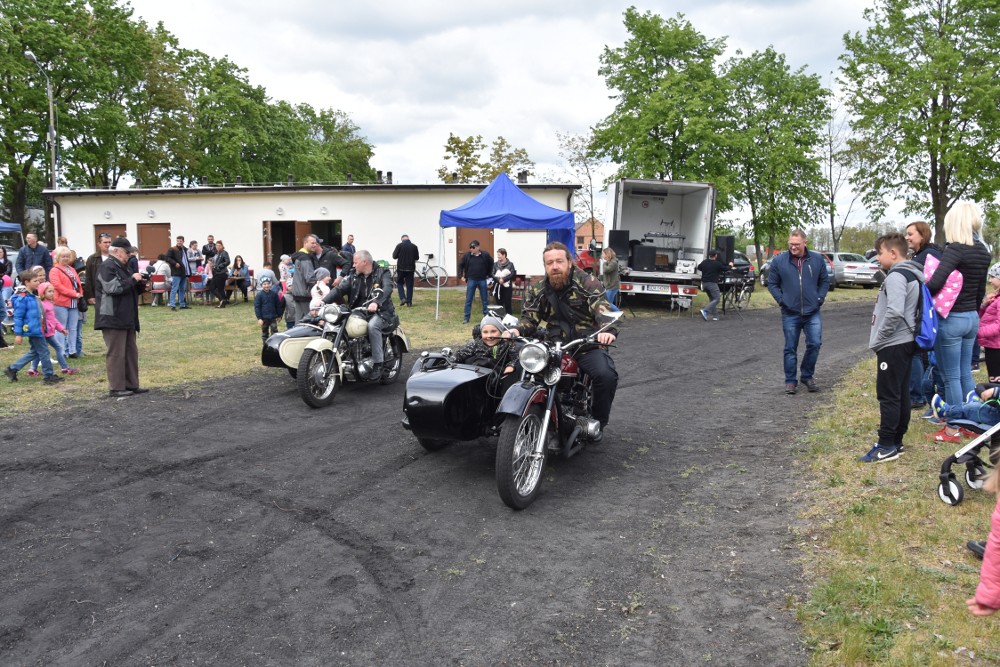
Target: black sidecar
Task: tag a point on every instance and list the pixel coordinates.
(447, 402)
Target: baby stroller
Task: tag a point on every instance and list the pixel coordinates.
(949, 490)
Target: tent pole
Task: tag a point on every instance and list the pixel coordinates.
(437, 304)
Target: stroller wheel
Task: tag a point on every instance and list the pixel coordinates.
(975, 476)
(953, 494)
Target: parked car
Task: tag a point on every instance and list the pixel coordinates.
(743, 265)
(766, 266)
(852, 269)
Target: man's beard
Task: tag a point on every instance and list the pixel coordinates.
(558, 281)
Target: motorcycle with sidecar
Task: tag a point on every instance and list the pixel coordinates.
(546, 413)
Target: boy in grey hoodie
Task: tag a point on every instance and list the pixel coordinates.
(894, 325)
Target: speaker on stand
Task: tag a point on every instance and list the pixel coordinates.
(726, 247)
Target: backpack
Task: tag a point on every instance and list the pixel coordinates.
(925, 332)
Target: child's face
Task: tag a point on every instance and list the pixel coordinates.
(490, 334)
(995, 284)
(40, 278)
(326, 280)
(887, 257)
(33, 284)
(267, 287)
(50, 294)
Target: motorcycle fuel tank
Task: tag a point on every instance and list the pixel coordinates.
(450, 403)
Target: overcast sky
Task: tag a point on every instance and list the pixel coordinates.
(409, 73)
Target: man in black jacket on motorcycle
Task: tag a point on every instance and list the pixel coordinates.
(369, 281)
(573, 303)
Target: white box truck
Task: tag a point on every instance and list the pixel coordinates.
(661, 231)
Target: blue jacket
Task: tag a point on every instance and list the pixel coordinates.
(267, 305)
(799, 289)
(27, 258)
(28, 315)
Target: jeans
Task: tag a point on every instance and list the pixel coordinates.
(793, 325)
(470, 294)
(613, 298)
(56, 342)
(79, 333)
(714, 295)
(404, 280)
(375, 339)
(39, 350)
(69, 318)
(974, 411)
(953, 349)
(917, 379)
(178, 291)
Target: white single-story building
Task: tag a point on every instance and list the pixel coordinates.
(263, 222)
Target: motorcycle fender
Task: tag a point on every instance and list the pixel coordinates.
(321, 344)
(403, 338)
(519, 397)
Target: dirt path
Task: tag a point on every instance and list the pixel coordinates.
(199, 528)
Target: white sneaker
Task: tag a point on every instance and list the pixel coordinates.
(704, 315)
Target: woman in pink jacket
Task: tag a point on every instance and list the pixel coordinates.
(987, 599)
(989, 324)
(66, 282)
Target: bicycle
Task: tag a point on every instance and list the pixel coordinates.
(738, 290)
(432, 274)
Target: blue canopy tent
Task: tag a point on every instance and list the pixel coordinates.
(10, 227)
(502, 205)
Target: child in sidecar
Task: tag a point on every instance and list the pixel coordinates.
(491, 350)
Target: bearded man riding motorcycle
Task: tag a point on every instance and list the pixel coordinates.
(360, 286)
(571, 302)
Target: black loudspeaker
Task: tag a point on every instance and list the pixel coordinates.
(618, 241)
(725, 246)
(644, 258)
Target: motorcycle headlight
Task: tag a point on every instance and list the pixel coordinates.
(553, 375)
(533, 358)
(331, 313)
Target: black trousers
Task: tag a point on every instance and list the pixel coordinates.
(599, 365)
(504, 294)
(404, 281)
(992, 363)
(219, 286)
(892, 387)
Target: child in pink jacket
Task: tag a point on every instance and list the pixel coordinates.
(989, 325)
(987, 599)
(52, 326)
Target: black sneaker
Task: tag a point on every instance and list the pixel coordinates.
(810, 385)
(53, 379)
(977, 547)
(791, 388)
(137, 390)
(10, 373)
(119, 393)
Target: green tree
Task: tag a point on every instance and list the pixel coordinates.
(923, 83)
(775, 120)
(669, 100)
(583, 168)
(466, 164)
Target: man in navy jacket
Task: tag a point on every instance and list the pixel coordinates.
(32, 254)
(798, 281)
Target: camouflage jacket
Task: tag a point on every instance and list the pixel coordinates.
(585, 305)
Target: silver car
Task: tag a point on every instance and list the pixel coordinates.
(852, 269)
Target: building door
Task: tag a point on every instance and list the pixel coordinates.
(465, 235)
(114, 230)
(154, 239)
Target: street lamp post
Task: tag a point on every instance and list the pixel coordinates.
(49, 222)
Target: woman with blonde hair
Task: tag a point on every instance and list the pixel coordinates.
(957, 332)
(610, 276)
(68, 291)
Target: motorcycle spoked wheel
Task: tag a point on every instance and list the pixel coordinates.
(519, 472)
(391, 372)
(316, 387)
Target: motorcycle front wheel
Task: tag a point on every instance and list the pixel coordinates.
(519, 471)
(318, 377)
